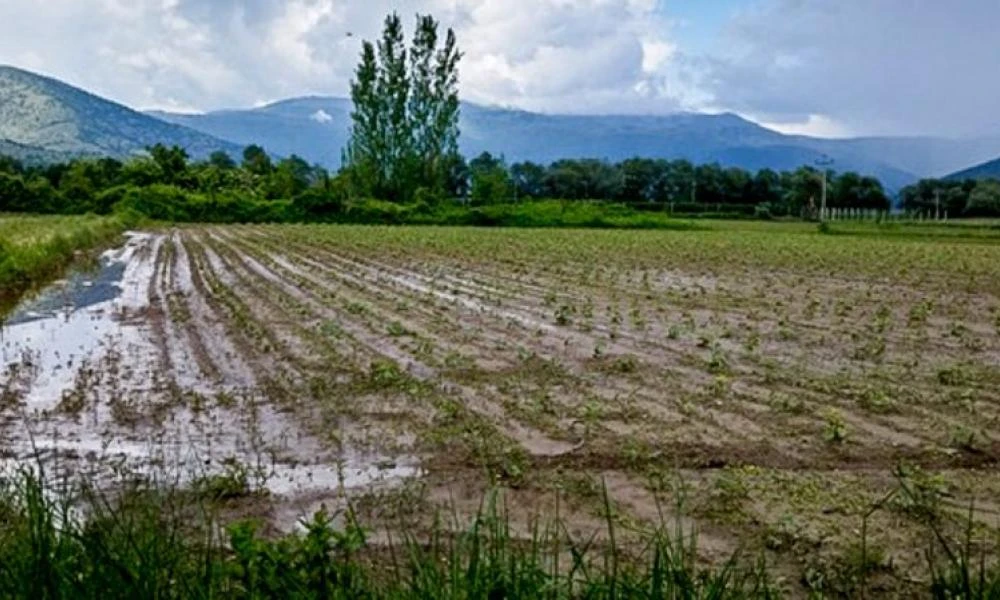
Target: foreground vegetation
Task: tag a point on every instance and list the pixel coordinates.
(35, 249)
(150, 542)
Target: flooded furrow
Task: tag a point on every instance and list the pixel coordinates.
(128, 371)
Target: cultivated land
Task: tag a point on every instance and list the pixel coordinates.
(775, 389)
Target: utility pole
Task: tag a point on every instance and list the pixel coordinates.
(937, 204)
(823, 162)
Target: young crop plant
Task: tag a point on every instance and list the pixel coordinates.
(564, 315)
(963, 438)
(920, 313)
(396, 329)
(877, 400)
(718, 362)
(835, 428)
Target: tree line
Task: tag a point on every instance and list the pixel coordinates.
(675, 185)
(945, 197)
(259, 184)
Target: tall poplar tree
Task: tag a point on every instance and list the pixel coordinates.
(404, 133)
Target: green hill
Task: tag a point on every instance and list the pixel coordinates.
(42, 118)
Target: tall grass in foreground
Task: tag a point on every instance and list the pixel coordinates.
(36, 249)
(146, 542)
(166, 544)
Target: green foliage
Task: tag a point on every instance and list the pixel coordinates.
(148, 542)
(404, 133)
(491, 183)
(965, 198)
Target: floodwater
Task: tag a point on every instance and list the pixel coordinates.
(83, 392)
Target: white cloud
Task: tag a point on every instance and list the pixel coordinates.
(544, 54)
(812, 66)
(321, 116)
(813, 125)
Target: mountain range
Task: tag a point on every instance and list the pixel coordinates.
(987, 170)
(45, 119)
(316, 128)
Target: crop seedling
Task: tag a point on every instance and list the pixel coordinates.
(834, 427)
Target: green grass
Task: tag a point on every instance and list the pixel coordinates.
(167, 542)
(149, 542)
(33, 250)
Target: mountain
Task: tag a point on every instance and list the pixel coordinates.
(316, 128)
(987, 170)
(42, 117)
(33, 155)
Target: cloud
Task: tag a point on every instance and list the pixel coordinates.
(576, 55)
(811, 66)
(321, 116)
(891, 66)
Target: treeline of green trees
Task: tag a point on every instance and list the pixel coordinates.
(940, 197)
(166, 184)
(677, 186)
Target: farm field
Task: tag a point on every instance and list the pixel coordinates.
(822, 401)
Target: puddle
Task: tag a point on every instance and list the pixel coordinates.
(49, 336)
(92, 398)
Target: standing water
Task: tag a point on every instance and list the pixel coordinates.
(85, 390)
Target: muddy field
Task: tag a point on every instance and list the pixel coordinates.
(767, 387)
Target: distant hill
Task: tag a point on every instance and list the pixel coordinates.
(986, 170)
(33, 155)
(40, 117)
(316, 128)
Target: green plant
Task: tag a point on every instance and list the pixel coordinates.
(834, 426)
(877, 400)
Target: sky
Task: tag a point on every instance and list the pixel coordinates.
(819, 67)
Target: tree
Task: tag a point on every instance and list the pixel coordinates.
(290, 177)
(13, 193)
(404, 125)
(491, 183)
(766, 188)
(528, 179)
(366, 146)
(640, 179)
(851, 190)
(222, 161)
(984, 200)
(393, 87)
(256, 161)
(802, 190)
(10, 165)
(172, 162)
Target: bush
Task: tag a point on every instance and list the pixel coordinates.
(318, 203)
(108, 200)
(762, 211)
